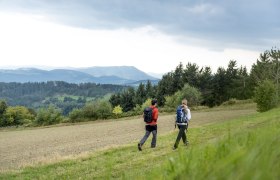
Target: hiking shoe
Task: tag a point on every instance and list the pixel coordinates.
(139, 147)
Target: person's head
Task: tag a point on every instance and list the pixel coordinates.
(153, 102)
(184, 102)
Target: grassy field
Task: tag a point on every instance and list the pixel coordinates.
(242, 148)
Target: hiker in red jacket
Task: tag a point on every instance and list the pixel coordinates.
(151, 127)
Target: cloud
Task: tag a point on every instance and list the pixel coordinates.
(246, 24)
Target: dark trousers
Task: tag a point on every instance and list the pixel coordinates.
(149, 130)
(181, 134)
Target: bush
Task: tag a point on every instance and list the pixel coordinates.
(104, 110)
(265, 96)
(48, 116)
(138, 109)
(76, 115)
(92, 111)
(117, 111)
(192, 94)
(18, 115)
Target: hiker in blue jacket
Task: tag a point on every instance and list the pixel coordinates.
(183, 118)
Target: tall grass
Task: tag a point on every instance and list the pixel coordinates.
(246, 148)
(251, 152)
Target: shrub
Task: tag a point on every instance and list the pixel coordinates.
(138, 109)
(17, 115)
(104, 110)
(76, 115)
(117, 111)
(48, 116)
(92, 111)
(192, 94)
(265, 96)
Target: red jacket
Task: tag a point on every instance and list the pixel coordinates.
(154, 115)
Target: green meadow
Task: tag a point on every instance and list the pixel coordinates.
(242, 148)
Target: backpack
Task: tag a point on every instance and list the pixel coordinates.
(181, 116)
(148, 114)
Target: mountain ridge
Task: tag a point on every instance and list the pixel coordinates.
(102, 75)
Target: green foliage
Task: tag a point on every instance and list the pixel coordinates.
(251, 154)
(104, 110)
(92, 111)
(76, 115)
(117, 111)
(215, 88)
(265, 96)
(127, 99)
(138, 109)
(267, 68)
(3, 107)
(17, 115)
(65, 96)
(48, 116)
(147, 103)
(192, 94)
(140, 94)
(171, 103)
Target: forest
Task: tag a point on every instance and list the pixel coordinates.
(203, 87)
(199, 85)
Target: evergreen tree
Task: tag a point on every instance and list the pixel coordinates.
(140, 94)
(231, 76)
(164, 88)
(241, 85)
(191, 75)
(127, 99)
(149, 90)
(219, 86)
(206, 86)
(3, 107)
(275, 57)
(267, 68)
(177, 80)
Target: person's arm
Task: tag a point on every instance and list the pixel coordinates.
(189, 116)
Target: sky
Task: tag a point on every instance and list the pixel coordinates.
(152, 35)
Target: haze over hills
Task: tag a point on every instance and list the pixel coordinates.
(102, 75)
(125, 72)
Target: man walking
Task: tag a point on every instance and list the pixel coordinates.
(183, 117)
(151, 127)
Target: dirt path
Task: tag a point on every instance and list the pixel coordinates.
(42, 145)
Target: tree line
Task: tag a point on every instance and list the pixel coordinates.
(211, 89)
(63, 95)
(198, 84)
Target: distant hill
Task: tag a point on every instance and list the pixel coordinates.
(124, 72)
(121, 75)
(23, 75)
(66, 96)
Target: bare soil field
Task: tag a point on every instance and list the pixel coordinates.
(28, 147)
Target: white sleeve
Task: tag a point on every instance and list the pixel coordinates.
(189, 116)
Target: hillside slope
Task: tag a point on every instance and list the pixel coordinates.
(44, 145)
(239, 148)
